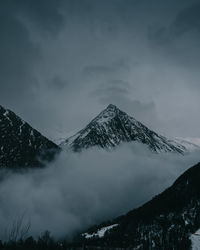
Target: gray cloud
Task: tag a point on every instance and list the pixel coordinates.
(180, 38)
(98, 70)
(57, 84)
(188, 19)
(56, 53)
(76, 192)
(46, 15)
(18, 55)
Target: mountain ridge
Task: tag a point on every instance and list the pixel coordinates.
(112, 127)
(20, 144)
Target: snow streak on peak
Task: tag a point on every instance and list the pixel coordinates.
(100, 233)
(113, 127)
(110, 113)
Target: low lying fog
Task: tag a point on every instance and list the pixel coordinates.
(79, 190)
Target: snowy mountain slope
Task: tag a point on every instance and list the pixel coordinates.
(112, 127)
(193, 140)
(168, 221)
(20, 144)
(191, 144)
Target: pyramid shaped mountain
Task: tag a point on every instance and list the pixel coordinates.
(113, 127)
(20, 144)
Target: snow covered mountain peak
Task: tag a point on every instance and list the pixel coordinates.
(111, 112)
(112, 107)
(113, 127)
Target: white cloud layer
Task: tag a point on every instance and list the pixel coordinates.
(78, 190)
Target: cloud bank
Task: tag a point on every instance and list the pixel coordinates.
(79, 190)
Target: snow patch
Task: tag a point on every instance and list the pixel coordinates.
(100, 233)
(195, 239)
(6, 113)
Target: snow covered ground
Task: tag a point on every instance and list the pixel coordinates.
(195, 238)
(100, 233)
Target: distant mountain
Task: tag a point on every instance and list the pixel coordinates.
(191, 144)
(113, 127)
(166, 222)
(20, 144)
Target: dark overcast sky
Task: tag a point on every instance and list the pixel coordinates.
(61, 62)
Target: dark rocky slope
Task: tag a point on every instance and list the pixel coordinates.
(21, 145)
(164, 223)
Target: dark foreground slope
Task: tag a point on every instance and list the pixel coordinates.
(20, 144)
(166, 222)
